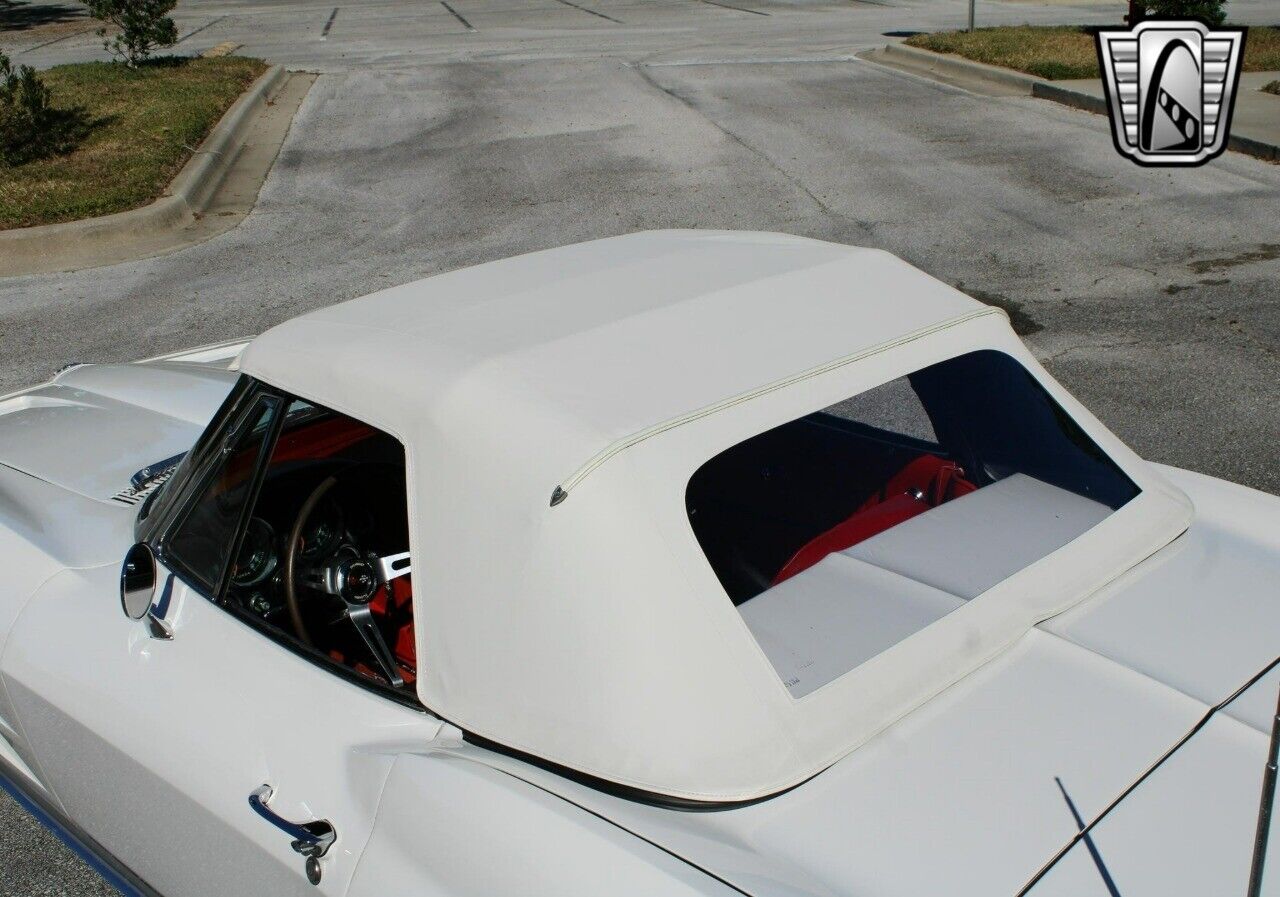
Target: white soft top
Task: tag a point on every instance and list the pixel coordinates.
(592, 632)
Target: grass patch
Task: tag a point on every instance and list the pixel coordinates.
(136, 129)
(1061, 52)
(1055, 53)
(1262, 50)
(1272, 87)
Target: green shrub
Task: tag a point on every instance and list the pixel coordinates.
(144, 25)
(25, 114)
(1212, 11)
(31, 127)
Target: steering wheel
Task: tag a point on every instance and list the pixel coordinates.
(351, 575)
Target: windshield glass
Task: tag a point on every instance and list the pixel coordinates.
(844, 531)
(201, 545)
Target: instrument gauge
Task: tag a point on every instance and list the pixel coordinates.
(257, 559)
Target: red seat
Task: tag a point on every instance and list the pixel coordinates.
(925, 483)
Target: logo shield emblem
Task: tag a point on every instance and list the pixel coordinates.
(1170, 88)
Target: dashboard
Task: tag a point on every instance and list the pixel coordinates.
(356, 512)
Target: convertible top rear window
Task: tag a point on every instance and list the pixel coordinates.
(844, 531)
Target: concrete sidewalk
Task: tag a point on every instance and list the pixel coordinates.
(1255, 124)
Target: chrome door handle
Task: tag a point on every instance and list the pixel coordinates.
(311, 839)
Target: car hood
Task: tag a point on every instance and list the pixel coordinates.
(67, 451)
(94, 426)
(974, 792)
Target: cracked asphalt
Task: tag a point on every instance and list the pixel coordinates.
(1151, 294)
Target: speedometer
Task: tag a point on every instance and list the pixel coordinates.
(257, 559)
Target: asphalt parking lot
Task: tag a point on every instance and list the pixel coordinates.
(441, 136)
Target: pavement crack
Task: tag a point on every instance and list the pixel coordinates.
(1089, 347)
(791, 179)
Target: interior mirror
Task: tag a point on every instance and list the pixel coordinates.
(138, 581)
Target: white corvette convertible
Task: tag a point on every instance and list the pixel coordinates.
(683, 563)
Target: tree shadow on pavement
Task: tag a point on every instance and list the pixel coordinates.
(22, 15)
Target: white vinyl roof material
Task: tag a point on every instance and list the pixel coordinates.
(593, 633)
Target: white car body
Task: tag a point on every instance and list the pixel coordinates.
(593, 715)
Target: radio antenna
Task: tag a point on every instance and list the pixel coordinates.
(1264, 808)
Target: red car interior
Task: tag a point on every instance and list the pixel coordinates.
(395, 612)
(925, 483)
(323, 438)
(328, 437)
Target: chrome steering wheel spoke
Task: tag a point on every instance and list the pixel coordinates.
(393, 566)
(321, 579)
(354, 579)
(348, 574)
(362, 619)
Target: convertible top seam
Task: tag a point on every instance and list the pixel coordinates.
(620, 445)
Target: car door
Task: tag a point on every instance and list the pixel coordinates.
(204, 755)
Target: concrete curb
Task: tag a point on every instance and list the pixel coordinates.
(1047, 90)
(188, 193)
(956, 66)
(1268, 151)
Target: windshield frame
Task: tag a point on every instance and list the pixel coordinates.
(201, 464)
(163, 503)
(188, 485)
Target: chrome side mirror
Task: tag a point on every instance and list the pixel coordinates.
(138, 581)
(138, 590)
